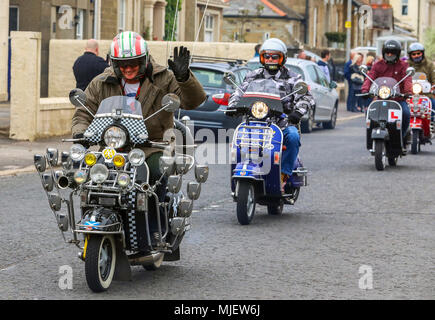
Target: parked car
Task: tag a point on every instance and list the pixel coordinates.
(209, 114)
(324, 93)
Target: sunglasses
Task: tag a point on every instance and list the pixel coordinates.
(274, 56)
(128, 63)
(414, 54)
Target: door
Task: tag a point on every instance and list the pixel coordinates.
(328, 101)
(316, 91)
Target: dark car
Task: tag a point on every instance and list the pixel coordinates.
(209, 114)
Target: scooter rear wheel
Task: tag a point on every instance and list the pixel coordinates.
(275, 209)
(379, 155)
(245, 203)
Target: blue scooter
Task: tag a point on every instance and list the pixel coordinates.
(256, 152)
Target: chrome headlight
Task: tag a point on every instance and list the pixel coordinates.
(384, 92)
(77, 152)
(115, 137)
(136, 157)
(417, 88)
(259, 110)
(99, 173)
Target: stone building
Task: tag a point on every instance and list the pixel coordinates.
(258, 20)
(196, 13)
(418, 15)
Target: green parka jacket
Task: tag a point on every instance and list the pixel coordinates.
(152, 91)
(427, 67)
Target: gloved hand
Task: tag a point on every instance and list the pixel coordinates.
(295, 117)
(180, 64)
(84, 143)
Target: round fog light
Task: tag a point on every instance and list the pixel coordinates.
(99, 173)
(123, 180)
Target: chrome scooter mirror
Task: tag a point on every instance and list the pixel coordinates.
(78, 99)
(55, 201)
(52, 156)
(201, 173)
(193, 190)
(185, 208)
(363, 68)
(47, 182)
(167, 165)
(171, 102)
(301, 88)
(410, 71)
(40, 162)
(174, 184)
(183, 164)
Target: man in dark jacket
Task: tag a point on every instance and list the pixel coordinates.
(351, 99)
(89, 65)
(391, 66)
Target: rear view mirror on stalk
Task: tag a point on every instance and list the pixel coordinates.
(77, 97)
(301, 88)
(171, 102)
(410, 71)
(229, 78)
(363, 68)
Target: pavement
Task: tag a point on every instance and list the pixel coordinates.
(17, 156)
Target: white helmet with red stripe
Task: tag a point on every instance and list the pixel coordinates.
(129, 45)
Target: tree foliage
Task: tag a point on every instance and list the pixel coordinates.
(429, 43)
(170, 12)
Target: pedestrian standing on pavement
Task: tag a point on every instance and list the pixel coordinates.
(350, 103)
(357, 79)
(89, 65)
(325, 55)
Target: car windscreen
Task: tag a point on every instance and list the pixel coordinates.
(209, 78)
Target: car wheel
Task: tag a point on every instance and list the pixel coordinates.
(331, 124)
(307, 125)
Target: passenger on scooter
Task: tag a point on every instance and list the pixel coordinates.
(391, 66)
(418, 61)
(273, 55)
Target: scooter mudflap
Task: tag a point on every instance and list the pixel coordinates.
(122, 267)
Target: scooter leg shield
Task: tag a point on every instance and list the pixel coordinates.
(122, 267)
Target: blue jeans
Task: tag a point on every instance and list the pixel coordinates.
(432, 116)
(292, 143)
(351, 101)
(406, 117)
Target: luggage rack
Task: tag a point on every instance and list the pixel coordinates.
(243, 137)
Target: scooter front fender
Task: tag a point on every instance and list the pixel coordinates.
(380, 134)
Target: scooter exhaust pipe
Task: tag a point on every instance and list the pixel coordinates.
(147, 260)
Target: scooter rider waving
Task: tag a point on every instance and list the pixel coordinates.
(391, 66)
(134, 73)
(273, 55)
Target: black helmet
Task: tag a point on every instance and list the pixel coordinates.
(394, 47)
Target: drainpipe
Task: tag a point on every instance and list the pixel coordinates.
(96, 18)
(306, 21)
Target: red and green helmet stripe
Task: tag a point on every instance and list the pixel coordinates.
(128, 45)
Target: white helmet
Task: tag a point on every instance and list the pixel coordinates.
(273, 46)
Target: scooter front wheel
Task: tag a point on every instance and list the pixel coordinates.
(379, 155)
(245, 203)
(100, 262)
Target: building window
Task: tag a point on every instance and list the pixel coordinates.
(13, 18)
(209, 29)
(121, 15)
(404, 7)
(79, 26)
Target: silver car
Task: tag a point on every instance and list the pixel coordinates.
(324, 93)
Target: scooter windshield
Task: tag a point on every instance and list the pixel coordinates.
(384, 82)
(265, 90)
(120, 105)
